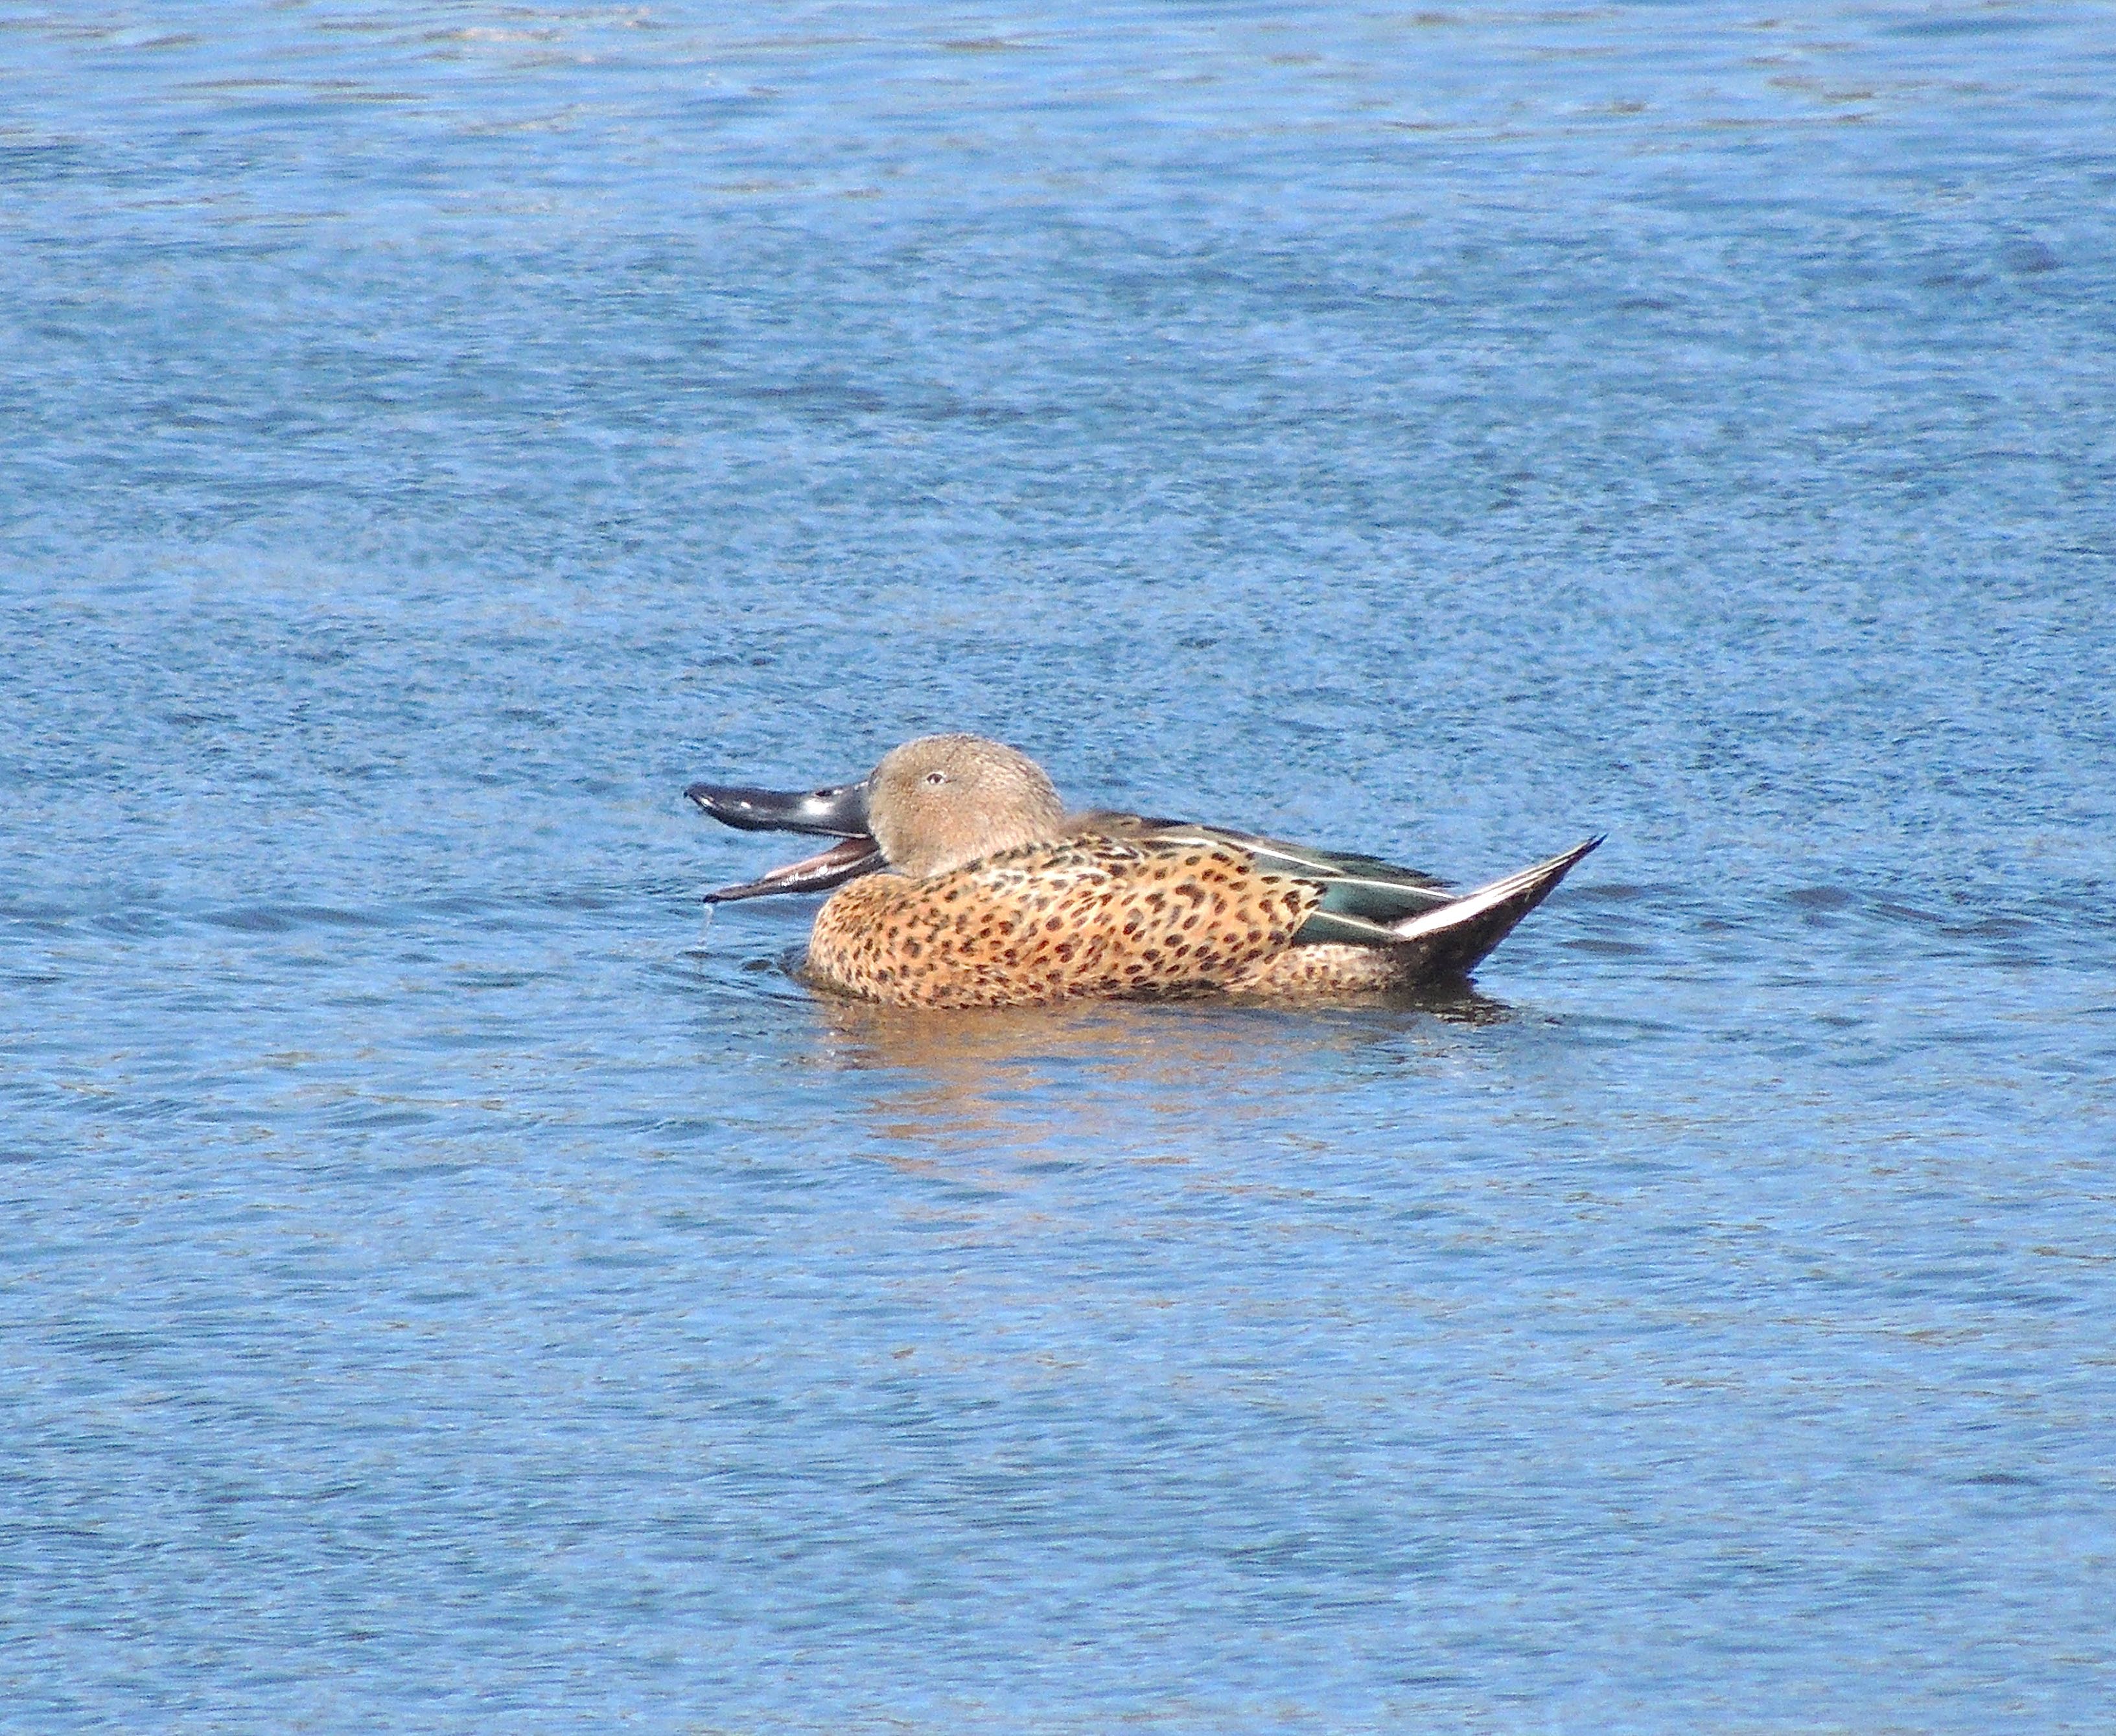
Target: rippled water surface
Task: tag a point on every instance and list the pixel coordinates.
(448, 1284)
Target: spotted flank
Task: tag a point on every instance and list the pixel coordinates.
(958, 880)
(1083, 918)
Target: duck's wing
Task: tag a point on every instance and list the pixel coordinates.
(1360, 893)
(1437, 932)
(1362, 896)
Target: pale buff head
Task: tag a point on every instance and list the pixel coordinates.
(940, 802)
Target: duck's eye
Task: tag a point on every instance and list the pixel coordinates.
(934, 780)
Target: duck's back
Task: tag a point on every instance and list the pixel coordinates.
(1086, 917)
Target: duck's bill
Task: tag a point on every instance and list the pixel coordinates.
(846, 860)
(838, 812)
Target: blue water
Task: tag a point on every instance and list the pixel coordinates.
(449, 1283)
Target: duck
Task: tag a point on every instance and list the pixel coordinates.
(959, 878)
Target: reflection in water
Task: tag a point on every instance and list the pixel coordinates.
(991, 1082)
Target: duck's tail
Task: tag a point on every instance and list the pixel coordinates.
(1453, 940)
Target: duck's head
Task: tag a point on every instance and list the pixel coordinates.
(941, 801)
(932, 805)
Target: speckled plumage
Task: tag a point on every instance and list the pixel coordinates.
(1093, 918)
(994, 896)
(1324, 968)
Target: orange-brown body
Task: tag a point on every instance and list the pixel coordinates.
(995, 896)
(1079, 918)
